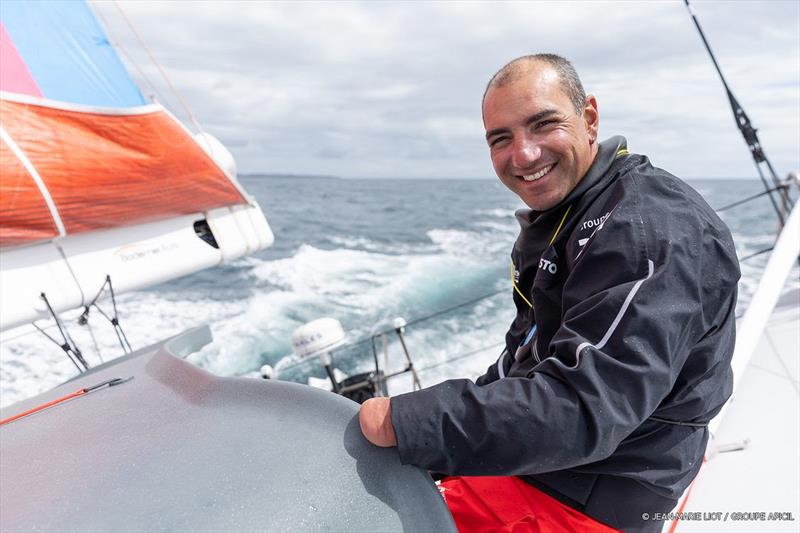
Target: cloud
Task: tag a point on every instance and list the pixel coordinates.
(392, 89)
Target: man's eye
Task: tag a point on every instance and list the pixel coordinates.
(544, 123)
(497, 140)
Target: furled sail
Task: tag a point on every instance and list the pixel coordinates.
(96, 182)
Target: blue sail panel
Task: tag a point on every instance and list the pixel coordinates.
(68, 54)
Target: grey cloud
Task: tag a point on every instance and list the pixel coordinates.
(393, 88)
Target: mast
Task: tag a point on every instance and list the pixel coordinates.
(750, 135)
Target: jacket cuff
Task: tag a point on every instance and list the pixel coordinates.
(418, 436)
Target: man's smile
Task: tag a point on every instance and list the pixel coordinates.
(539, 174)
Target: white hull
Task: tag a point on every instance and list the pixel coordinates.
(71, 270)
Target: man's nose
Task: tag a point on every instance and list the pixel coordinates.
(525, 152)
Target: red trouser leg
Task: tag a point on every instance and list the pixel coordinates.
(507, 504)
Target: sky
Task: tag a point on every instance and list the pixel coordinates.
(393, 89)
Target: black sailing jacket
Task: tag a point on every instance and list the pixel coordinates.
(629, 340)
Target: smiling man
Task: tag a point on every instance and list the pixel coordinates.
(540, 156)
(594, 418)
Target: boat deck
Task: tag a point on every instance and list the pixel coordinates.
(756, 487)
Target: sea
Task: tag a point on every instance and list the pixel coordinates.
(434, 252)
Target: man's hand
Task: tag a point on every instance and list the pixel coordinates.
(375, 418)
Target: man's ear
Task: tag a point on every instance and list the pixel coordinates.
(591, 117)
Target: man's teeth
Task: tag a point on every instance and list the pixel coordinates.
(534, 177)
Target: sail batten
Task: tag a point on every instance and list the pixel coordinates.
(25, 210)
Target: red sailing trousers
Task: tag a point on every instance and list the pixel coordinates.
(509, 505)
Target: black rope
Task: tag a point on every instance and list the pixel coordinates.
(117, 327)
(114, 320)
(453, 308)
(460, 356)
(765, 250)
(784, 193)
(771, 198)
(749, 198)
(64, 346)
(69, 346)
(746, 128)
(425, 318)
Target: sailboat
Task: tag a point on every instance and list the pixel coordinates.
(103, 192)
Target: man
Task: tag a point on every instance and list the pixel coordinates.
(624, 282)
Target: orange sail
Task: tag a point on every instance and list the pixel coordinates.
(103, 170)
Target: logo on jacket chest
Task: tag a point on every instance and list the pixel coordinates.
(594, 222)
(547, 266)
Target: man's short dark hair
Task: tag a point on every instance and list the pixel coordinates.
(570, 82)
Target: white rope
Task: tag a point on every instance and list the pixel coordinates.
(129, 58)
(158, 66)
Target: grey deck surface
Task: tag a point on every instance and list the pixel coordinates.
(765, 476)
(178, 449)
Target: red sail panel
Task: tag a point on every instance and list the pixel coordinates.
(24, 216)
(109, 170)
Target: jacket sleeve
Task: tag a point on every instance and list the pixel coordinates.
(495, 371)
(632, 310)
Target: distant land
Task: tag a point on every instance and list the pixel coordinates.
(260, 175)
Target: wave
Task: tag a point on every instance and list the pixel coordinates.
(252, 327)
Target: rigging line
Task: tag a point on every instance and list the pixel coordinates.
(69, 355)
(112, 320)
(743, 123)
(453, 308)
(27, 333)
(97, 296)
(121, 337)
(158, 66)
(749, 198)
(415, 321)
(115, 322)
(460, 356)
(754, 254)
(118, 45)
(784, 194)
(69, 345)
(771, 198)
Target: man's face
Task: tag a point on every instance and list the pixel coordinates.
(540, 147)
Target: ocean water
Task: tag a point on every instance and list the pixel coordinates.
(364, 252)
